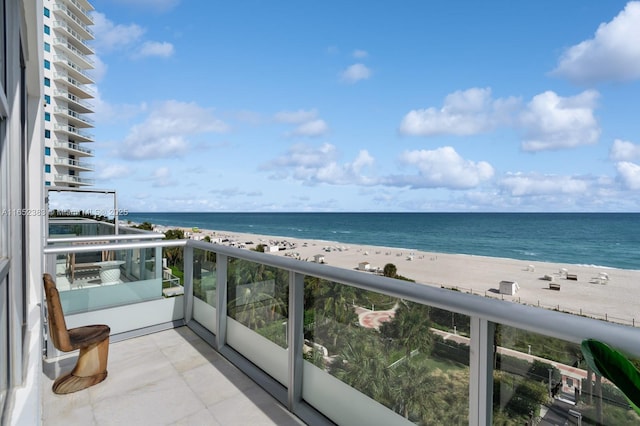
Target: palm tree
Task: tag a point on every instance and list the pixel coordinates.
(410, 328)
(411, 389)
(363, 365)
(390, 270)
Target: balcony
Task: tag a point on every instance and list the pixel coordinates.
(73, 118)
(80, 41)
(81, 11)
(73, 20)
(166, 378)
(73, 69)
(75, 164)
(74, 148)
(61, 43)
(74, 86)
(67, 179)
(78, 104)
(73, 132)
(307, 333)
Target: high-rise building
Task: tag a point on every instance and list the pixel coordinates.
(67, 58)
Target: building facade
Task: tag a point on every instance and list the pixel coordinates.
(67, 91)
(22, 208)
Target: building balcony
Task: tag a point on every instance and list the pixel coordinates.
(61, 27)
(307, 334)
(169, 377)
(78, 104)
(82, 28)
(80, 10)
(70, 179)
(74, 148)
(71, 131)
(74, 86)
(82, 61)
(74, 118)
(73, 69)
(74, 164)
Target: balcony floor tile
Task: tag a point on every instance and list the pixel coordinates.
(171, 377)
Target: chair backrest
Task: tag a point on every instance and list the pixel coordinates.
(57, 326)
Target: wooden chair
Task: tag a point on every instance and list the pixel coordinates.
(92, 340)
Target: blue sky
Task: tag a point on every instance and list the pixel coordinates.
(368, 106)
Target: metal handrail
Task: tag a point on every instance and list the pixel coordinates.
(105, 238)
(561, 325)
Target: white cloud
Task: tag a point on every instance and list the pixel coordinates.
(441, 168)
(164, 132)
(624, 151)
(613, 54)
(318, 165)
(307, 121)
(553, 122)
(109, 36)
(99, 69)
(521, 185)
(355, 73)
(106, 113)
(113, 171)
(296, 117)
(313, 128)
(358, 54)
(629, 174)
(467, 112)
(156, 48)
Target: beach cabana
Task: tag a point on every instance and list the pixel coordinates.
(364, 266)
(509, 287)
(318, 258)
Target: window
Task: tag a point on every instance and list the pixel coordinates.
(47, 99)
(47, 116)
(47, 65)
(46, 12)
(47, 82)
(47, 47)
(47, 168)
(47, 30)
(47, 150)
(47, 134)
(47, 183)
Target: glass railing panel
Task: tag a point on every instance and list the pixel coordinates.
(100, 279)
(544, 379)
(204, 288)
(257, 299)
(410, 358)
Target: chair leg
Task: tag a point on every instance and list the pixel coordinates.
(90, 369)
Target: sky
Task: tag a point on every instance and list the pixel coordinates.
(295, 106)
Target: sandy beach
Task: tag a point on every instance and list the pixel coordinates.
(596, 291)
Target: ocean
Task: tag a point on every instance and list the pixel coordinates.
(600, 239)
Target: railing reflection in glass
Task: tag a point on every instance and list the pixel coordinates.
(409, 357)
(257, 297)
(541, 378)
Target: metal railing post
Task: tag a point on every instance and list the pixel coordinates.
(188, 283)
(295, 334)
(221, 300)
(481, 371)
